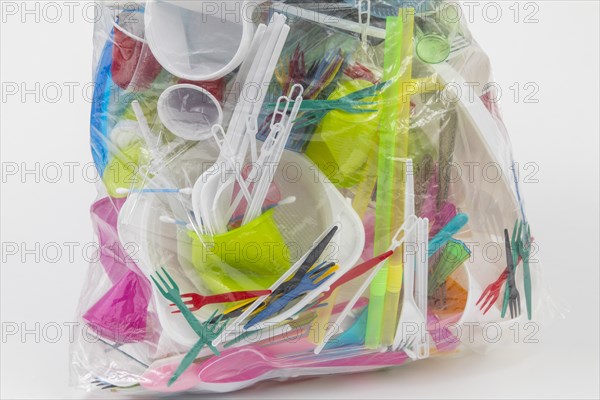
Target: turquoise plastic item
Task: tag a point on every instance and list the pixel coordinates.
(451, 229)
(353, 336)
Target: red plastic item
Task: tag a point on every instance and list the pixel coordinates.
(197, 301)
(216, 88)
(134, 66)
(355, 273)
(492, 293)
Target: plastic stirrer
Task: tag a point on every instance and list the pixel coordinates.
(421, 283)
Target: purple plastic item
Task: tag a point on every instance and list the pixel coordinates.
(121, 314)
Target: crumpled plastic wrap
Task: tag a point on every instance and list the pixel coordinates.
(296, 189)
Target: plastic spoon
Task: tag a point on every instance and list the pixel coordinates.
(249, 363)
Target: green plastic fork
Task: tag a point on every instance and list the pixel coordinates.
(212, 330)
(170, 291)
(513, 258)
(524, 249)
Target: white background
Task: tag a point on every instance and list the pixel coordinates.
(560, 133)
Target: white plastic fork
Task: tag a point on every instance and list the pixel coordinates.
(410, 316)
(415, 344)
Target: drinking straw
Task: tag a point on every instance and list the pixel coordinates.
(395, 271)
(385, 175)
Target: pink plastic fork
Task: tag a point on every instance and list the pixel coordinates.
(197, 301)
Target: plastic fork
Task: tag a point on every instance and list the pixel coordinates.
(410, 312)
(512, 299)
(211, 331)
(308, 262)
(197, 301)
(103, 385)
(491, 294)
(170, 291)
(310, 281)
(524, 251)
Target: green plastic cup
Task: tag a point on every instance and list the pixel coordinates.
(433, 48)
(251, 257)
(342, 141)
(123, 169)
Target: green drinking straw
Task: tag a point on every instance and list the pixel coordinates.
(395, 269)
(385, 175)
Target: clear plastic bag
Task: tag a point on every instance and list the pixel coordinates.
(295, 189)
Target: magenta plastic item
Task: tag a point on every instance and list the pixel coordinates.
(121, 314)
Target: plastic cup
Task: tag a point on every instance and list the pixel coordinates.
(122, 169)
(121, 314)
(251, 257)
(433, 48)
(342, 141)
(216, 88)
(134, 66)
(199, 40)
(189, 111)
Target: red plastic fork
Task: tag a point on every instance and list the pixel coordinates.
(197, 301)
(492, 293)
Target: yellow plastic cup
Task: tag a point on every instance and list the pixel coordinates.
(341, 143)
(251, 257)
(123, 169)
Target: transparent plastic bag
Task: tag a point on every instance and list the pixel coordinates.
(295, 188)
